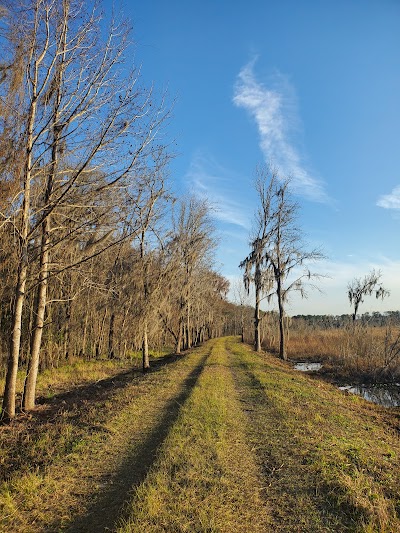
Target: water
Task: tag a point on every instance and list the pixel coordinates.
(381, 394)
(308, 367)
(387, 395)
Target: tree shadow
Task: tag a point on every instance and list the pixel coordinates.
(111, 505)
(73, 406)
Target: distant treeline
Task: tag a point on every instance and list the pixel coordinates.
(337, 321)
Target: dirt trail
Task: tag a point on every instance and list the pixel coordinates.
(289, 481)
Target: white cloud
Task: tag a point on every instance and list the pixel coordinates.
(215, 183)
(274, 114)
(333, 299)
(390, 201)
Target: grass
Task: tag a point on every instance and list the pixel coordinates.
(71, 468)
(206, 477)
(75, 373)
(330, 458)
(358, 354)
(218, 440)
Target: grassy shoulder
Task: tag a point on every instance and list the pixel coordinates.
(206, 477)
(72, 470)
(331, 461)
(77, 372)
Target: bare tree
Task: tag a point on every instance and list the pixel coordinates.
(366, 286)
(277, 262)
(256, 266)
(190, 248)
(288, 256)
(241, 298)
(84, 116)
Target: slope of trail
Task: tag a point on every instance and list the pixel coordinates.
(206, 478)
(330, 462)
(219, 440)
(258, 447)
(86, 489)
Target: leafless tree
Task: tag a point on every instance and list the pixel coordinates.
(366, 286)
(190, 248)
(83, 116)
(278, 257)
(241, 298)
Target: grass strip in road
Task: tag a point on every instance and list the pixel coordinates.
(114, 443)
(331, 462)
(205, 478)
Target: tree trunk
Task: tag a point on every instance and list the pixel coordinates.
(188, 329)
(8, 410)
(282, 345)
(84, 336)
(111, 337)
(179, 339)
(33, 365)
(257, 336)
(145, 350)
(67, 331)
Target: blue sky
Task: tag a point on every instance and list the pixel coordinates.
(314, 87)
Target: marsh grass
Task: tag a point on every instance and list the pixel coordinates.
(360, 353)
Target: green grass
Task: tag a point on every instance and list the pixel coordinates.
(221, 439)
(338, 458)
(73, 469)
(205, 478)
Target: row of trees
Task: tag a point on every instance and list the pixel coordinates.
(96, 255)
(341, 321)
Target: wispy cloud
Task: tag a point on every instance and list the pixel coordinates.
(274, 113)
(212, 181)
(390, 201)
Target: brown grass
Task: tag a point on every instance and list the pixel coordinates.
(218, 440)
(358, 353)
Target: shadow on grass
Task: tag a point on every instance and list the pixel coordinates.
(75, 407)
(100, 389)
(112, 504)
(300, 500)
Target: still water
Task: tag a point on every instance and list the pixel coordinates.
(308, 367)
(382, 394)
(387, 395)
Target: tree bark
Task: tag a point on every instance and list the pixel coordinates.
(8, 410)
(111, 337)
(145, 349)
(282, 344)
(178, 344)
(33, 365)
(257, 336)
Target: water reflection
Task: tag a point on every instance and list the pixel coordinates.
(382, 394)
(308, 367)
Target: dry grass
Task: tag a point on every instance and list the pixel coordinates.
(362, 353)
(219, 440)
(74, 460)
(55, 380)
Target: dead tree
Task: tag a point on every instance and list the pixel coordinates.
(366, 286)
